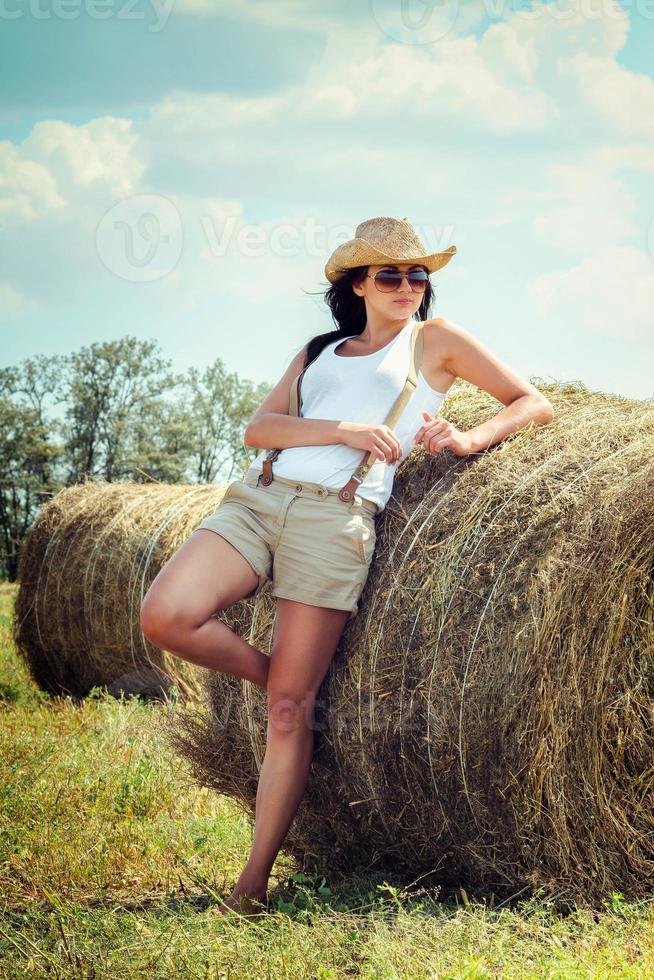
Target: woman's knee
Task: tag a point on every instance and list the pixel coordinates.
(160, 621)
(290, 710)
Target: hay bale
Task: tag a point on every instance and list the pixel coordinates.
(85, 567)
(489, 712)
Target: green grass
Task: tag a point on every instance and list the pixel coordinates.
(111, 860)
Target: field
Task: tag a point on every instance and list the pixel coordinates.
(112, 860)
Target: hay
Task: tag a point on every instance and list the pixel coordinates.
(489, 715)
(85, 567)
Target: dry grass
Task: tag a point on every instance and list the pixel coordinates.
(487, 719)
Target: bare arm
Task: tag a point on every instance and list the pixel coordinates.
(469, 359)
(271, 425)
(282, 431)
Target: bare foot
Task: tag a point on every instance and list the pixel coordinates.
(249, 906)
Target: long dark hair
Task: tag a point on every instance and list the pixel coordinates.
(349, 310)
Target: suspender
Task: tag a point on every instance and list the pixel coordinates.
(347, 492)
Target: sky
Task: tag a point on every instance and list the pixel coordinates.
(180, 170)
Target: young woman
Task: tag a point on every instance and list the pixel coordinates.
(322, 546)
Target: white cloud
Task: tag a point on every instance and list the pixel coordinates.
(624, 98)
(26, 187)
(452, 82)
(54, 188)
(580, 204)
(629, 156)
(100, 152)
(13, 302)
(61, 165)
(568, 211)
(593, 209)
(514, 79)
(561, 29)
(611, 292)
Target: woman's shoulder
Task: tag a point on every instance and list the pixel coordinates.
(299, 361)
(437, 323)
(438, 333)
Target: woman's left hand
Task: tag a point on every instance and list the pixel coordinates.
(436, 434)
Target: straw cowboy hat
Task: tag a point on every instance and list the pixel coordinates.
(380, 240)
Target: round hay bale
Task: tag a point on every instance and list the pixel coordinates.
(488, 715)
(85, 567)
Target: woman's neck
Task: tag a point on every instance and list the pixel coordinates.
(379, 333)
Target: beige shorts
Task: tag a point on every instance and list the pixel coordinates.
(315, 548)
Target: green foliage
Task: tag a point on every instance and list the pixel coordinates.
(114, 411)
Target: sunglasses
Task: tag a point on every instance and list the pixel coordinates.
(387, 280)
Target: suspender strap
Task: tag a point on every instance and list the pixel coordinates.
(266, 477)
(347, 492)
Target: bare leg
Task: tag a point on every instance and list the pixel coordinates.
(177, 613)
(306, 638)
(215, 645)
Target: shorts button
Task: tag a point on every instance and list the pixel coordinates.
(298, 486)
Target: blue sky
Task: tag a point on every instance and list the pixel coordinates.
(181, 170)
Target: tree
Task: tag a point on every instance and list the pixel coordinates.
(29, 452)
(220, 404)
(162, 443)
(27, 455)
(123, 414)
(110, 386)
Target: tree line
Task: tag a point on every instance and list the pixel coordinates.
(114, 411)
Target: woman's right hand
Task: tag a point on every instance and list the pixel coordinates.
(372, 436)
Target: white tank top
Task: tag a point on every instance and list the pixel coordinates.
(356, 389)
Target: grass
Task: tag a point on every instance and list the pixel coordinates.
(111, 861)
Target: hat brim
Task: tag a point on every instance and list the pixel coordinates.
(358, 252)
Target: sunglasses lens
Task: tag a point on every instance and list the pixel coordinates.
(418, 280)
(388, 281)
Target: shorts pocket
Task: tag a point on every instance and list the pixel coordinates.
(365, 539)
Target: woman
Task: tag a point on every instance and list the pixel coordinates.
(323, 546)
